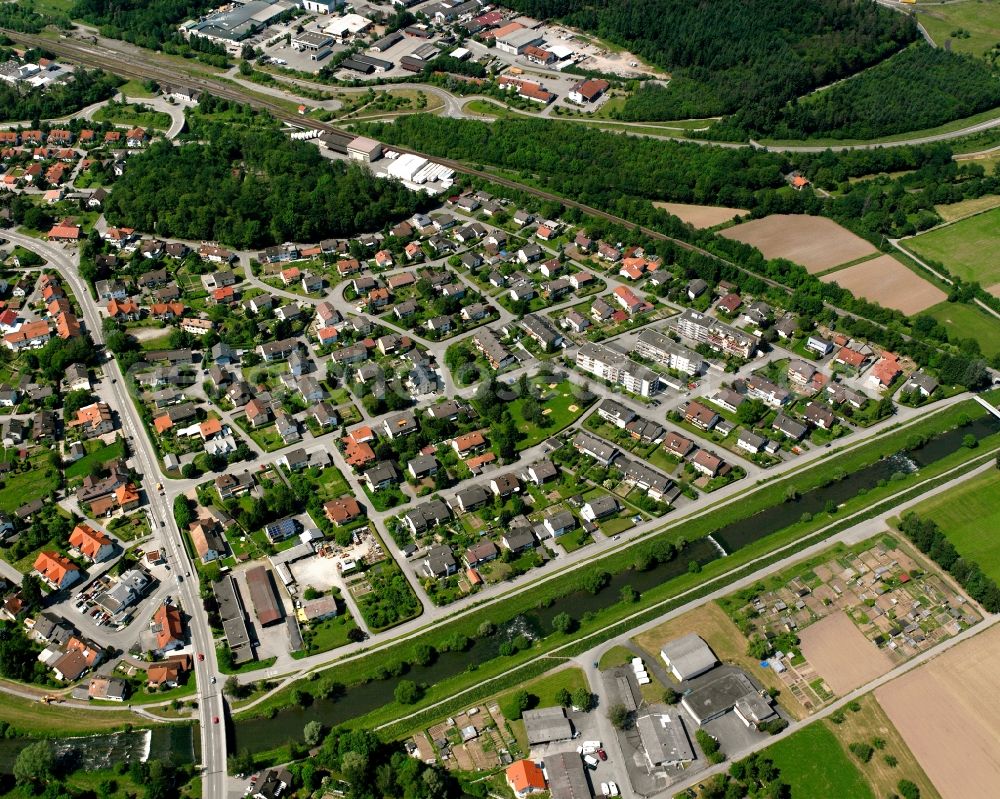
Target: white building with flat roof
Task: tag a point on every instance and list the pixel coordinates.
(688, 656)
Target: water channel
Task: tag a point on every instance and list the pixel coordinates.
(262, 734)
(174, 742)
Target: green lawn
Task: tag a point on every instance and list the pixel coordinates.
(97, 454)
(132, 114)
(21, 487)
(969, 248)
(967, 321)
(970, 516)
(814, 764)
(326, 635)
(976, 21)
(561, 407)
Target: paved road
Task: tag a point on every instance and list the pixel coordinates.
(211, 705)
(859, 532)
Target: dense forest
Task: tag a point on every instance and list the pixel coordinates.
(252, 187)
(920, 87)
(23, 102)
(593, 165)
(24, 17)
(732, 54)
(152, 24)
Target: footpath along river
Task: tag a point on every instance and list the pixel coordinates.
(267, 733)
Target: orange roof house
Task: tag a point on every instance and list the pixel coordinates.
(168, 628)
(127, 496)
(885, 370)
(361, 435)
(525, 777)
(468, 442)
(343, 510)
(67, 325)
(56, 570)
(64, 231)
(92, 544)
(358, 454)
(209, 428)
(162, 423)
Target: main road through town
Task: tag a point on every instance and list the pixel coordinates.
(211, 709)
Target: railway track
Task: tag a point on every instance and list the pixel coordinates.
(114, 62)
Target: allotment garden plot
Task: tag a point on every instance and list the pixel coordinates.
(888, 282)
(815, 242)
(847, 616)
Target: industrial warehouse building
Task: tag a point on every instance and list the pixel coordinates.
(547, 724)
(364, 149)
(266, 602)
(665, 739)
(566, 777)
(731, 690)
(688, 656)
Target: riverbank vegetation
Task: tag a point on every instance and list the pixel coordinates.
(509, 670)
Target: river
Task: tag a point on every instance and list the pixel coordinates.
(175, 742)
(262, 734)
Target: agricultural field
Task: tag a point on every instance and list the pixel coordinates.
(841, 654)
(888, 282)
(948, 713)
(967, 321)
(967, 515)
(701, 216)
(973, 26)
(949, 212)
(815, 242)
(866, 721)
(834, 774)
(970, 248)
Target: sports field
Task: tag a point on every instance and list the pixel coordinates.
(970, 517)
(888, 282)
(970, 248)
(815, 764)
(841, 654)
(701, 215)
(815, 242)
(948, 712)
(977, 23)
(968, 321)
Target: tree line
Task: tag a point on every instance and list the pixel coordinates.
(929, 539)
(253, 187)
(152, 24)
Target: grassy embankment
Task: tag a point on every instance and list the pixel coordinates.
(510, 671)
